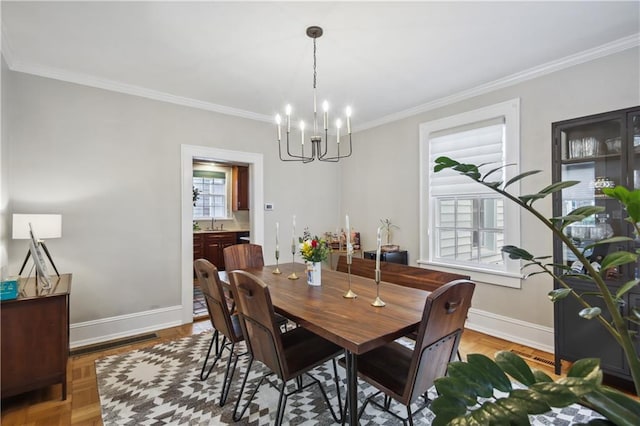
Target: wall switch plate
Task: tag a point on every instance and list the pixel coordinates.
(268, 206)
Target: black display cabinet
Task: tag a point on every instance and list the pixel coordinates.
(600, 151)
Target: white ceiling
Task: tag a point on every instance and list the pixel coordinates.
(386, 59)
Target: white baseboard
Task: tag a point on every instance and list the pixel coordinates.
(524, 333)
(102, 330)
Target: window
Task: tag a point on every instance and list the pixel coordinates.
(464, 225)
(212, 200)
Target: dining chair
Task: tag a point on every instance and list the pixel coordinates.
(224, 322)
(288, 355)
(243, 256)
(406, 374)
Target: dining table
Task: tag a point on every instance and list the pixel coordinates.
(351, 323)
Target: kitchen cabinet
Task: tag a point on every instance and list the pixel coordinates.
(209, 245)
(240, 189)
(599, 151)
(35, 337)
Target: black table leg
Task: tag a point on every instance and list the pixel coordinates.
(352, 387)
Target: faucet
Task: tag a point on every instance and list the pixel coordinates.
(213, 223)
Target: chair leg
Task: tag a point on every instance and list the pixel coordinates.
(409, 415)
(282, 403)
(228, 375)
(236, 417)
(217, 355)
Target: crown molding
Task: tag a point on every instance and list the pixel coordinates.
(538, 71)
(129, 89)
(616, 46)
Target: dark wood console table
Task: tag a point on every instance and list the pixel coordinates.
(35, 337)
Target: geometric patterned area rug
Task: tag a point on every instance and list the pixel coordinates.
(160, 385)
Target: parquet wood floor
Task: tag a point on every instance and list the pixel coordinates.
(82, 406)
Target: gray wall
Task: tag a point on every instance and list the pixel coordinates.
(391, 157)
(110, 164)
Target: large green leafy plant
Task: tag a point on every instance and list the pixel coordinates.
(480, 392)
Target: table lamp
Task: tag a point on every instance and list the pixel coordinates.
(44, 226)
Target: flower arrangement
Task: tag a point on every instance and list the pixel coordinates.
(313, 249)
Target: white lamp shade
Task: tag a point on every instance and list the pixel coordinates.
(44, 226)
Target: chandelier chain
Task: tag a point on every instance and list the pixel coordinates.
(314, 63)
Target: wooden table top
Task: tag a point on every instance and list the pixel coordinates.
(350, 323)
(27, 288)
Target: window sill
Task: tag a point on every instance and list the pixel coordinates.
(482, 275)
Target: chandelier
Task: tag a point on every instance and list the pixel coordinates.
(319, 146)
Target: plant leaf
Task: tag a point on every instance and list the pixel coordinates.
(617, 258)
(616, 407)
(558, 186)
(517, 253)
(519, 177)
(456, 388)
(447, 408)
(626, 287)
(590, 313)
(515, 366)
(471, 374)
(558, 294)
(498, 379)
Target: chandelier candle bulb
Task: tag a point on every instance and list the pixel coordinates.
(278, 121)
(287, 111)
(325, 108)
(349, 120)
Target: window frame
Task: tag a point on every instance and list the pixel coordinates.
(508, 275)
(228, 190)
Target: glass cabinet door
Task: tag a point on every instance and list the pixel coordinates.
(592, 154)
(633, 130)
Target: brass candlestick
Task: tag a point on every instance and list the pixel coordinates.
(349, 294)
(277, 270)
(378, 302)
(292, 275)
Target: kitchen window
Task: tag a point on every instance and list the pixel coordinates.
(464, 225)
(213, 200)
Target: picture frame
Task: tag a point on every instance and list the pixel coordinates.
(42, 272)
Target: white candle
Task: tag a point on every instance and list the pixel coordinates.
(277, 232)
(378, 250)
(348, 235)
(287, 110)
(325, 107)
(302, 131)
(338, 126)
(349, 120)
(293, 236)
(278, 121)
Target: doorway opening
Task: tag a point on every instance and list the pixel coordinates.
(189, 153)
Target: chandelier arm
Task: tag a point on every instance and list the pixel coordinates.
(293, 157)
(338, 157)
(323, 153)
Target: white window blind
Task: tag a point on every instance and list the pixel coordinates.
(483, 144)
(463, 224)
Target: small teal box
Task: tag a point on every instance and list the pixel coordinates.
(9, 289)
